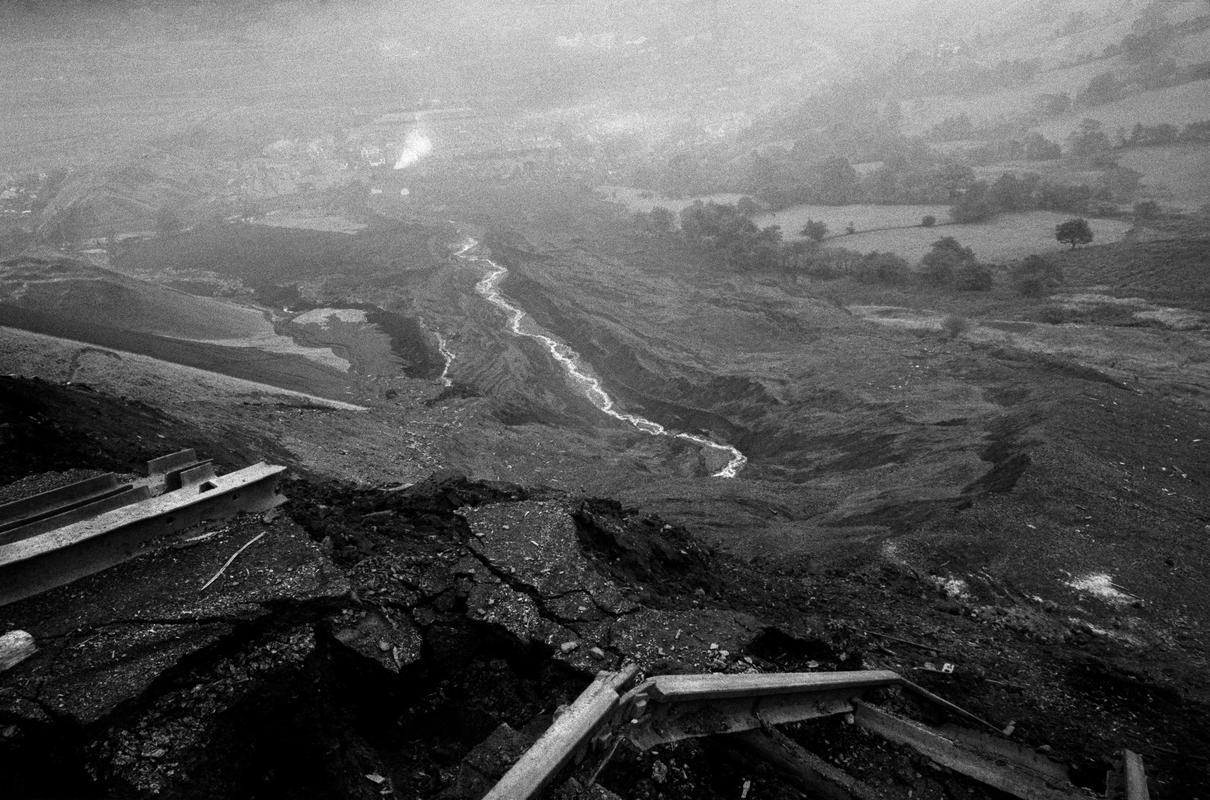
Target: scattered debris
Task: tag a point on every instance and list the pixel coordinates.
(230, 560)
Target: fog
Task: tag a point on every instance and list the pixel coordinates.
(84, 77)
(731, 341)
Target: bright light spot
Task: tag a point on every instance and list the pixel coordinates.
(1102, 586)
(415, 147)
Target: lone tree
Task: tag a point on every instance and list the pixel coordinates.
(815, 230)
(1074, 232)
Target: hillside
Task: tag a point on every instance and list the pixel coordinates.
(724, 338)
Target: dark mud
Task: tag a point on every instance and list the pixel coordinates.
(47, 426)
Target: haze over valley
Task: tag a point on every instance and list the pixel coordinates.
(701, 335)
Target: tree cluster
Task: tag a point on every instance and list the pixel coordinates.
(947, 263)
(1035, 276)
(1164, 133)
(1010, 192)
(723, 231)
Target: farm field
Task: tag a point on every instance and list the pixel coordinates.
(862, 217)
(1007, 237)
(792, 219)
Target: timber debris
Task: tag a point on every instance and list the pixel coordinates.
(669, 708)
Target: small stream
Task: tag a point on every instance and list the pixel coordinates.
(489, 289)
(448, 355)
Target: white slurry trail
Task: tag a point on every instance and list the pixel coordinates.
(489, 289)
(448, 355)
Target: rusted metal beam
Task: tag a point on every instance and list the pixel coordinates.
(124, 496)
(571, 731)
(165, 464)
(192, 473)
(669, 708)
(192, 476)
(681, 688)
(66, 554)
(19, 512)
(948, 752)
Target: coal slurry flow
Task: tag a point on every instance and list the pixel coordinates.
(489, 288)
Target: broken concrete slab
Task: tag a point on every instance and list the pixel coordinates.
(493, 602)
(534, 544)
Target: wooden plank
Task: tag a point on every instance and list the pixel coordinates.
(20, 511)
(126, 495)
(947, 753)
(571, 730)
(996, 746)
(15, 647)
(677, 688)
(66, 554)
(802, 768)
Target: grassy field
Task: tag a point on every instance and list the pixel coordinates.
(1007, 237)
(792, 219)
(862, 217)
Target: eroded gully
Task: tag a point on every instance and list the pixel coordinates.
(575, 368)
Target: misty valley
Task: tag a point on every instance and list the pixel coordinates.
(605, 399)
